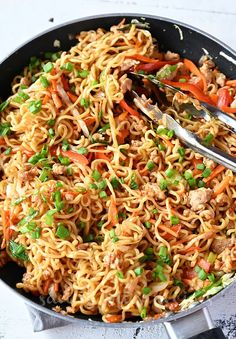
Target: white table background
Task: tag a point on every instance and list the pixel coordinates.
(21, 20)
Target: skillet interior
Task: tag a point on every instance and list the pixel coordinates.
(167, 33)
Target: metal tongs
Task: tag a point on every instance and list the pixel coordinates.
(206, 111)
(188, 138)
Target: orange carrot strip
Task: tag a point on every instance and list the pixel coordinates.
(72, 97)
(222, 186)
(122, 135)
(231, 83)
(2, 141)
(214, 173)
(195, 163)
(227, 109)
(114, 318)
(204, 264)
(75, 157)
(89, 121)
(129, 109)
(57, 101)
(46, 99)
(193, 69)
(46, 286)
(214, 98)
(53, 87)
(5, 224)
(112, 212)
(171, 232)
(190, 249)
(184, 86)
(56, 287)
(123, 116)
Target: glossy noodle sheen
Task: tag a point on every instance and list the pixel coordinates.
(103, 209)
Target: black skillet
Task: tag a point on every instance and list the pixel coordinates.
(171, 35)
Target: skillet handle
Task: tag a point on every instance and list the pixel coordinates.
(196, 325)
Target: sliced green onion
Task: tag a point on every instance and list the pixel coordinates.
(4, 105)
(161, 147)
(84, 102)
(211, 257)
(174, 220)
(192, 182)
(28, 227)
(8, 151)
(171, 133)
(170, 172)
(65, 145)
(44, 176)
(138, 271)
(163, 184)
(155, 211)
(35, 106)
(102, 185)
(178, 282)
(113, 236)
(211, 277)
(44, 81)
(59, 184)
(49, 217)
(102, 194)
(57, 200)
(208, 139)
(201, 273)
(69, 171)
(133, 182)
(120, 275)
(51, 122)
(81, 225)
(143, 313)
(162, 131)
(163, 254)
(158, 273)
(68, 67)
(200, 167)
(206, 172)
(100, 224)
(48, 67)
(82, 150)
(64, 160)
(18, 251)
(115, 183)
(104, 128)
(188, 175)
(146, 290)
(150, 165)
(147, 224)
(5, 129)
(182, 80)
(201, 184)
(51, 132)
(96, 175)
(62, 231)
(27, 219)
(93, 186)
(36, 233)
(18, 201)
(83, 73)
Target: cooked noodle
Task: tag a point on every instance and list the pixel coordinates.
(124, 237)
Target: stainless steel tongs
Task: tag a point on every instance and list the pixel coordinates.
(206, 111)
(188, 138)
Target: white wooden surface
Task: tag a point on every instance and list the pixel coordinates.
(21, 20)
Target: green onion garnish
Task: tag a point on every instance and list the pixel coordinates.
(5, 129)
(57, 201)
(163, 254)
(146, 290)
(18, 251)
(51, 122)
(200, 167)
(102, 194)
(147, 224)
(115, 183)
(62, 231)
(64, 160)
(120, 275)
(170, 172)
(174, 220)
(113, 236)
(49, 217)
(138, 271)
(84, 102)
(8, 151)
(163, 184)
(35, 106)
(44, 81)
(68, 67)
(4, 105)
(82, 150)
(150, 165)
(44, 176)
(82, 73)
(143, 313)
(96, 175)
(201, 273)
(51, 132)
(206, 172)
(154, 211)
(133, 182)
(48, 67)
(208, 139)
(65, 145)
